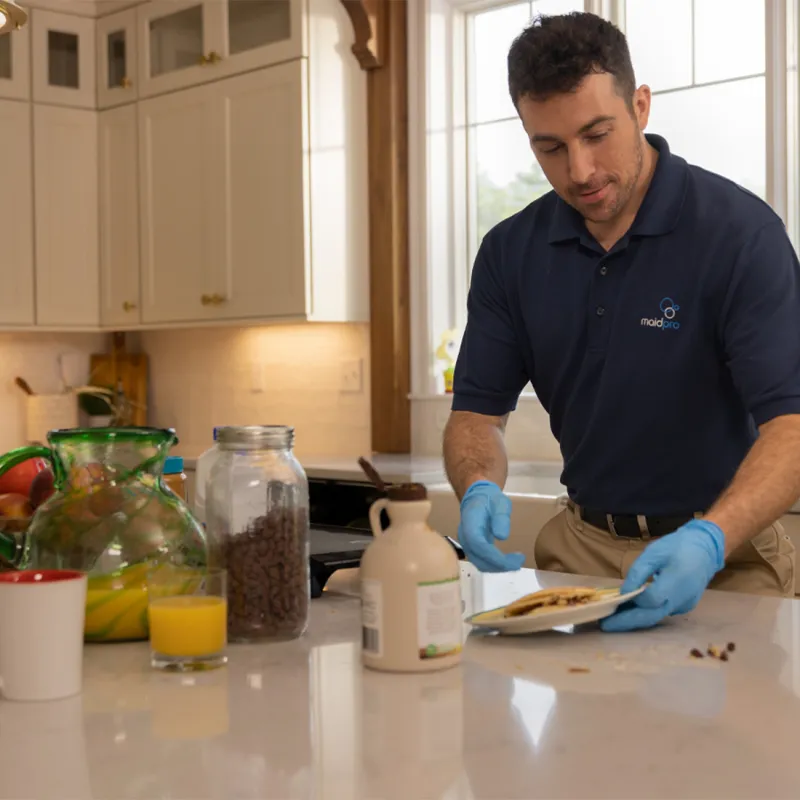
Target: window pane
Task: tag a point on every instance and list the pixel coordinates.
(706, 126)
(492, 34)
(506, 174)
(117, 59)
(255, 23)
(5, 56)
(660, 40)
(62, 55)
(176, 41)
(728, 39)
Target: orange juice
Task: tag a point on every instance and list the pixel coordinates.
(188, 625)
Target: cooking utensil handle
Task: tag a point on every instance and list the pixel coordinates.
(375, 515)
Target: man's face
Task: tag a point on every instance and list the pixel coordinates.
(589, 144)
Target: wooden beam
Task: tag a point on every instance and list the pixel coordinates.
(381, 48)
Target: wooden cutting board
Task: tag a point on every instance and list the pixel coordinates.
(128, 370)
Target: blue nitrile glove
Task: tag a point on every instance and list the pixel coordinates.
(486, 516)
(682, 563)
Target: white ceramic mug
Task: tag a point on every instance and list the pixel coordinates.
(42, 615)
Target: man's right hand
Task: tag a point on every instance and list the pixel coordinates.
(486, 516)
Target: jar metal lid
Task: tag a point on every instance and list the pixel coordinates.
(253, 437)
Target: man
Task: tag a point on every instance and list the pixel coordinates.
(655, 308)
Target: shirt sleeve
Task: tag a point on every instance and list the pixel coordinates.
(490, 371)
(761, 325)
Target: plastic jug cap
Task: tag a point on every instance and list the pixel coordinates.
(407, 492)
(173, 465)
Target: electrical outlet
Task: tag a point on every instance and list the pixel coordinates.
(352, 379)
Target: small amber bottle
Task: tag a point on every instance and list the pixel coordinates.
(175, 477)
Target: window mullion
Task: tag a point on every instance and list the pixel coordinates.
(612, 10)
(776, 112)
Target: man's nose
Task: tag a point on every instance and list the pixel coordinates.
(581, 165)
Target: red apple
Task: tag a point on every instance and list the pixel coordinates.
(41, 488)
(14, 506)
(18, 479)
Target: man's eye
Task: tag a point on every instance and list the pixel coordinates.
(554, 149)
(596, 137)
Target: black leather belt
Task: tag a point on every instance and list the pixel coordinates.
(630, 526)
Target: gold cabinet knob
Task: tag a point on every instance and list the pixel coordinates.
(212, 58)
(125, 83)
(126, 306)
(212, 299)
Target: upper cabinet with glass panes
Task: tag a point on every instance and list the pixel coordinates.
(63, 59)
(187, 42)
(15, 81)
(117, 80)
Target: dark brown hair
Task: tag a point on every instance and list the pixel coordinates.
(555, 53)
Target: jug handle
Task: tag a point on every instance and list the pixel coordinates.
(11, 546)
(375, 516)
(15, 457)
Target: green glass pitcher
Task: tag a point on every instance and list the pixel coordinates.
(112, 517)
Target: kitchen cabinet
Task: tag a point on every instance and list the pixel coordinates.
(227, 203)
(15, 79)
(66, 216)
(235, 191)
(190, 42)
(119, 217)
(116, 59)
(63, 48)
(223, 172)
(16, 212)
(178, 178)
(259, 251)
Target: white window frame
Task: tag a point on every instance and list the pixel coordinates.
(437, 58)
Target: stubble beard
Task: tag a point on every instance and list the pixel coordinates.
(627, 189)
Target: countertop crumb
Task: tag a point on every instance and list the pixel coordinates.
(580, 670)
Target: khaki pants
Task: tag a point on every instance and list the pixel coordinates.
(764, 565)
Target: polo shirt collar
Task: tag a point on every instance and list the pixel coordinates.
(660, 209)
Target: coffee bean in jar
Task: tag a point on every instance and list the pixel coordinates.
(257, 520)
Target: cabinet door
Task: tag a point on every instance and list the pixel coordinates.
(178, 178)
(63, 59)
(65, 169)
(116, 59)
(260, 266)
(257, 33)
(15, 77)
(16, 212)
(176, 40)
(119, 218)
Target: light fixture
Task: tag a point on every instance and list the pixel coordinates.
(12, 16)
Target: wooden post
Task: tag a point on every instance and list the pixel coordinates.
(380, 46)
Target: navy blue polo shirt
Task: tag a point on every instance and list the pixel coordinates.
(656, 360)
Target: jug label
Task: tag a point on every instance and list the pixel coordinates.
(372, 616)
(439, 626)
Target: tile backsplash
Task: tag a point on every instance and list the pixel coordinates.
(300, 375)
(35, 357)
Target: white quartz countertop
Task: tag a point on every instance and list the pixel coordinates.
(305, 720)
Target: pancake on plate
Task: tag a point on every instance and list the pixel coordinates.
(557, 597)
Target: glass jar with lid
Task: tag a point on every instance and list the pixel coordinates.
(257, 523)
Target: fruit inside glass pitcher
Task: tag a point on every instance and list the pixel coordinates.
(111, 516)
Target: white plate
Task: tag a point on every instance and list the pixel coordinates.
(546, 620)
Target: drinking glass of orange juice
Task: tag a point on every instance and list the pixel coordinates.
(188, 613)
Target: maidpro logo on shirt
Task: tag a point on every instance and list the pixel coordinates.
(669, 310)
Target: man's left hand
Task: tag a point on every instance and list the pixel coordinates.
(681, 564)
